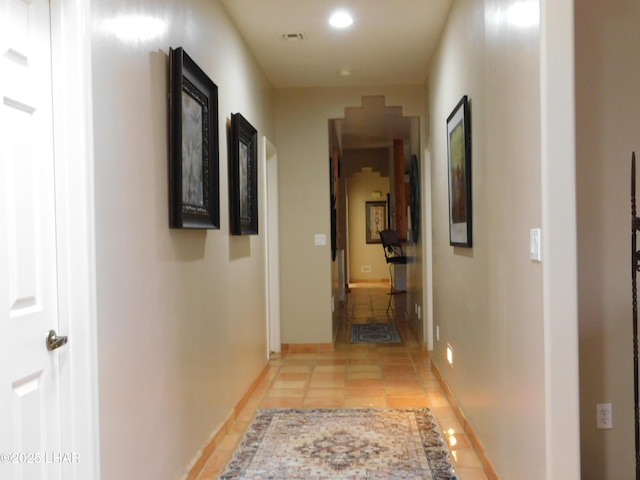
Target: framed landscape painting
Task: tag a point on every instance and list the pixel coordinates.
(194, 188)
(459, 167)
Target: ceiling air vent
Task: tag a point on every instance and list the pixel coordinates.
(292, 37)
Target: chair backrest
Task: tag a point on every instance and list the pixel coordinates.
(391, 244)
(389, 237)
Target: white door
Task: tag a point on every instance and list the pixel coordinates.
(30, 435)
(272, 241)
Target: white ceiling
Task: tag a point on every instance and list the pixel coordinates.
(390, 41)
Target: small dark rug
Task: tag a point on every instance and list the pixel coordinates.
(374, 333)
(354, 444)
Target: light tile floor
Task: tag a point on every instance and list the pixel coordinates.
(355, 375)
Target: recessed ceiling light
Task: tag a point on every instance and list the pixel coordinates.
(340, 19)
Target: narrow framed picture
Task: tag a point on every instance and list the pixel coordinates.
(376, 215)
(459, 163)
(414, 198)
(334, 168)
(243, 177)
(194, 186)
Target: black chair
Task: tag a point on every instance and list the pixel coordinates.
(394, 255)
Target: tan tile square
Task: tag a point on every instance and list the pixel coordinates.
(466, 458)
(286, 376)
(407, 402)
(401, 390)
(302, 350)
(399, 371)
(365, 391)
(364, 382)
(297, 368)
(365, 402)
(438, 400)
(458, 441)
(288, 384)
(406, 363)
(316, 402)
(328, 376)
(373, 375)
(368, 367)
(447, 420)
(331, 361)
(328, 384)
(282, 402)
(285, 392)
(325, 392)
(471, 473)
(331, 371)
(301, 357)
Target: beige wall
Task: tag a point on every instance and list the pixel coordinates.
(360, 190)
(488, 300)
(302, 136)
(181, 314)
(608, 121)
(181, 319)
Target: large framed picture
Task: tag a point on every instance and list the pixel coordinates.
(194, 187)
(376, 216)
(459, 163)
(243, 179)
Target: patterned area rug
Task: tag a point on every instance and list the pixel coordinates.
(374, 333)
(354, 444)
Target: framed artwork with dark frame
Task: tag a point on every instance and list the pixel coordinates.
(414, 198)
(376, 215)
(243, 177)
(333, 198)
(459, 167)
(194, 188)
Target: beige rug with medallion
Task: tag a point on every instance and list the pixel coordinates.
(354, 444)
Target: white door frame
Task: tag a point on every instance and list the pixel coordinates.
(426, 230)
(559, 239)
(272, 245)
(75, 219)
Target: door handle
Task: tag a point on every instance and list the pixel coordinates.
(54, 341)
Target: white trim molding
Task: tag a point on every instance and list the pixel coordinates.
(73, 131)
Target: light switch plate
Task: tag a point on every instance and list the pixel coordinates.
(320, 239)
(535, 247)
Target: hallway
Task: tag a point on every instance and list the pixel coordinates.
(354, 376)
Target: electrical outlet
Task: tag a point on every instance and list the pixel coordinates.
(604, 416)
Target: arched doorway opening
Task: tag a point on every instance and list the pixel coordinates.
(371, 149)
